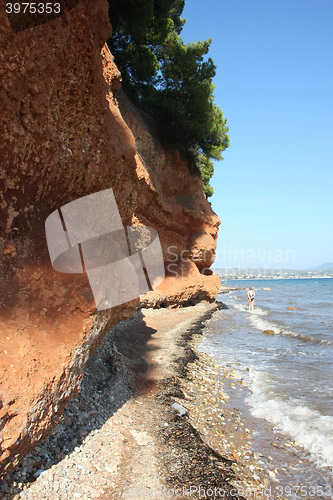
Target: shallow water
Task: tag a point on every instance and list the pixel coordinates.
(289, 373)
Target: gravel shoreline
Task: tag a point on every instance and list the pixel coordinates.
(145, 424)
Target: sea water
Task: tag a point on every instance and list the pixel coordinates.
(288, 370)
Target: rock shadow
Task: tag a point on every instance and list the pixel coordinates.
(117, 370)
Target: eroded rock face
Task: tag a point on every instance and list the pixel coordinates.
(171, 200)
(63, 136)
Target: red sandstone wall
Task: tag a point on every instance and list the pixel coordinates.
(63, 135)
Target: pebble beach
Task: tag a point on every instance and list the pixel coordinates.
(153, 420)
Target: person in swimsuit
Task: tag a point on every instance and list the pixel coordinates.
(250, 297)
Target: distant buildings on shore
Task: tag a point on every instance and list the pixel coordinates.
(252, 274)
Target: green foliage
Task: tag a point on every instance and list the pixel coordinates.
(140, 28)
(170, 80)
(207, 171)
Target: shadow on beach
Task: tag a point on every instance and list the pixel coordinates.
(106, 386)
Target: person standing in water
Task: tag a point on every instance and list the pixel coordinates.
(250, 297)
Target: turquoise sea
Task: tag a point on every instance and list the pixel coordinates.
(289, 372)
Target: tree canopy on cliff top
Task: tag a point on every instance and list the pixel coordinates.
(170, 80)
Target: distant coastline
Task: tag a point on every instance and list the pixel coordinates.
(268, 278)
(270, 274)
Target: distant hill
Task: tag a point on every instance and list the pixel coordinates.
(323, 267)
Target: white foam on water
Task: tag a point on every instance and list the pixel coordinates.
(308, 427)
(239, 307)
(262, 324)
(255, 312)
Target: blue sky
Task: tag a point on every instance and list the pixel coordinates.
(274, 83)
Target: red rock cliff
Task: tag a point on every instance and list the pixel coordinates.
(66, 133)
